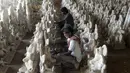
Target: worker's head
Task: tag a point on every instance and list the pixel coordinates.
(64, 10)
(67, 31)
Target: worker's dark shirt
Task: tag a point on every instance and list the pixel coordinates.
(68, 19)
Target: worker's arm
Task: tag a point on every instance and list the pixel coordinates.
(60, 22)
(70, 48)
(66, 53)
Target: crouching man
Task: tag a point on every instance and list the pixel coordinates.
(73, 56)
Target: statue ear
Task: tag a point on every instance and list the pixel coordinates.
(104, 50)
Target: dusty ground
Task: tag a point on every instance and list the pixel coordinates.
(19, 55)
(118, 61)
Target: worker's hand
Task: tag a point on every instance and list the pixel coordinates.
(55, 22)
(59, 54)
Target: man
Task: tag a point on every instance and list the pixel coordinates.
(67, 18)
(72, 57)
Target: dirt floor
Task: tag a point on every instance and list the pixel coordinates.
(19, 55)
(118, 61)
